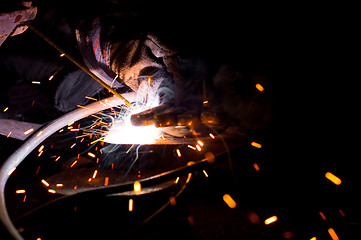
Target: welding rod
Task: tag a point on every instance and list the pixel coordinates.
(81, 66)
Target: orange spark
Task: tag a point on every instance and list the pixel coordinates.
(51, 77)
(313, 238)
(259, 87)
(177, 180)
(256, 167)
(253, 217)
(72, 165)
(172, 200)
(95, 173)
(62, 55)
(342, 213)
(51, 191)
(6, 109)
(130, 207)
(212, 136)
(200, 143)
(91, 154)
(190, 163)
(91, 98)
(99, 139)
(28, 131)
(198, 147)
(106, 181)
(9, 134)
(11, 171)
(96, 116)
(45, 182)
(39, 133)
(333, 234)
(129, 149)
(73, 145)
(205, 173)
(229, 201)
(85, 135)
(35, 82)
(333, 178)
(322, 215)
(256, 145)
(178, 152)
(41, 148)
(191, 147)
(59, 185)
(20, 191)
(137, 187)
(270, 220)
(209, 156)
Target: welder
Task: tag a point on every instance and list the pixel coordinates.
(185, 62)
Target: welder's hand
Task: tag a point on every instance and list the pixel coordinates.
(178, 121)
(166, 116)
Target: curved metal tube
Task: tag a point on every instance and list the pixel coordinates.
(19, 155)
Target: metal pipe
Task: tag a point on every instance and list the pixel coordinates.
(19, 155)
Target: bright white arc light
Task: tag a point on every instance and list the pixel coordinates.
(128, 134)
(123, 132)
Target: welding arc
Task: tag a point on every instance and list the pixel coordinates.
(81, 66)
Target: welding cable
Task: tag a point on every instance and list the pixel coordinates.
(77, 63)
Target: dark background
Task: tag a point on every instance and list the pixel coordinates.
(309, 54)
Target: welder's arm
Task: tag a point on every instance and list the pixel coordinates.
(167, 116)
(235, 101)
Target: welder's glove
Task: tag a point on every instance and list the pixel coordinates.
(138, 59)
(229, 98)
